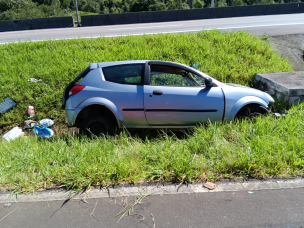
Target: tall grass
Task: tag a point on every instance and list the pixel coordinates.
(263, 147)
(258, 148)
(229, 57)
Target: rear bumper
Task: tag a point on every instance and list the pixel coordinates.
(69, 117)
(70, 113)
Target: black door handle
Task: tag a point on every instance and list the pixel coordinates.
(157, 92)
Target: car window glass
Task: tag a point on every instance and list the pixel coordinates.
(125, 74)
(172, 76)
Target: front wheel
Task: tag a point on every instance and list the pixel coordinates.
(97, 125)
(252, 111)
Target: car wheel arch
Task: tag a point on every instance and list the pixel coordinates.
(241, 103)
(98, 105)
(251, 108)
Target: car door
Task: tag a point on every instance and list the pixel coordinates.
(175, 98)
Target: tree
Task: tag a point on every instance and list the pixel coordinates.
(220, 3)
(238, 3)
(19, 10)
(198, 4)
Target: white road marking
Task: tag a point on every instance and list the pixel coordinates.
(162, 32)
(147, 27)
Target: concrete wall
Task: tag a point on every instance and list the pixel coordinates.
(52, 22)
(193, 14)
(15, 25)
(153, 16)
(38, 23)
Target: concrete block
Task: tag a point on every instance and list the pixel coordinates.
(269, 186)
(251, 186)
(285, 86)
(291, 184)
(199, 188)
(170, 189)
(161, 16)
(231, 187)
(184, 189)
(52, 22)
(15, 25)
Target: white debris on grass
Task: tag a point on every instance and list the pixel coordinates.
(14, 133)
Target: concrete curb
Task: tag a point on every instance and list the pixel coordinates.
(157, 189)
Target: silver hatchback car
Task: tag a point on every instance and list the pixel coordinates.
(154, 94)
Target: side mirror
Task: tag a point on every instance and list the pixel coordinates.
(208, 82)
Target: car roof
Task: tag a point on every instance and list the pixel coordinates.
(105, 64)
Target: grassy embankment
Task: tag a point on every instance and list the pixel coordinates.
(260, 148)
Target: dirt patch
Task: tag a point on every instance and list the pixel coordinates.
(290, 47)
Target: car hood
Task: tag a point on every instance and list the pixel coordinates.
(238, 91)
(237, 85)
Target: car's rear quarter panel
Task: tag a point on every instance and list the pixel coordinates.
(127, 98)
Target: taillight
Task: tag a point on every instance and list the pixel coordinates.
(76, 89)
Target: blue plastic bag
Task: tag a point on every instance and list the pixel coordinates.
(46, 122)
(43, 131)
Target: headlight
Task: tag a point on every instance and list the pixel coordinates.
(271, 100)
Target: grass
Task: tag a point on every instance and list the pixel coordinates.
(229, 57)
(258, 148)
(263, 147)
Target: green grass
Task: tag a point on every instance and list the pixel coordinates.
(258, 148)
(263, 147)
(229, 57)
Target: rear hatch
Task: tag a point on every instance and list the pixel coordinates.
(72, 84)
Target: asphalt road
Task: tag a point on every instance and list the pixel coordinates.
(265, 208)
(271, 25)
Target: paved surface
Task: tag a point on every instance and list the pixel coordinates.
(290, 47)
(265, 208)
(259, 25)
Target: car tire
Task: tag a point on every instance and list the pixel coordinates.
(251, 111)
(97, 125)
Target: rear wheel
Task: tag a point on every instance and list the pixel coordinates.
(251, 111)
(97, 125)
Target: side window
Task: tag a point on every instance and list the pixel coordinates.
(171, 76)
(132, 74)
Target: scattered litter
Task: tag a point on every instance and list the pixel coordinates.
(209, 185)
(46, 122)
(249, 192)
(30, 111)
(13, 134)
(34, 80)
(29, 123)
(279, 113)
(6, 105)
(43, 131)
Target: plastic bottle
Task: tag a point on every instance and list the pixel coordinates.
(30, 111)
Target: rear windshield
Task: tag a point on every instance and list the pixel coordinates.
(132, 74)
